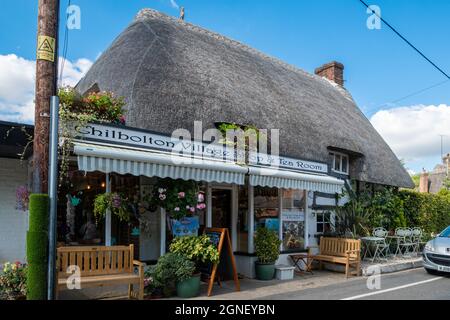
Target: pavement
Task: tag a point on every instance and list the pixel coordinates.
(392, 284)
(413, 284)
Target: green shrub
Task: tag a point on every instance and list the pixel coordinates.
(13, 281)
(267, 245)
(198, 249)
(405, 208)
(353, 219)
(171, 268)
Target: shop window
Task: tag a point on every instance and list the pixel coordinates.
(242, 222)
(324, 221)
(340, 163)
(267, 208)
(293, 220)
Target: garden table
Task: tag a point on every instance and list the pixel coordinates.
(307, 260)
(369, 242)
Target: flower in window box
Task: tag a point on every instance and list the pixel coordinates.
(181, 195)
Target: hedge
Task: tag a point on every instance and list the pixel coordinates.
(392, 209)
(431, 212)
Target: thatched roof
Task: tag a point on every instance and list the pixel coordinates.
(173, 73)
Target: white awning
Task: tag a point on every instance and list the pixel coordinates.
(272, 178)
(139, 162)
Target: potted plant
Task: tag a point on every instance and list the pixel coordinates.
(267, 249)
(187, 280)
(198, 250)
(13, 281)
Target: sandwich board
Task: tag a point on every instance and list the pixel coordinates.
(220, 237)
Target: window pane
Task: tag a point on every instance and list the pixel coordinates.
(319, 217)
(345, 164)
(337, 162)
(320, 227)
(293, 220)
(266, 208)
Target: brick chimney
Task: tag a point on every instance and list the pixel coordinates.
(424, 182)
(333, 71)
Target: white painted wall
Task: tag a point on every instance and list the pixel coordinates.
(13, 223)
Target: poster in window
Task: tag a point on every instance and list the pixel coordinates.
(293, 229)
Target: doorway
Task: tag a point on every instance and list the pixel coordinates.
(221, 208)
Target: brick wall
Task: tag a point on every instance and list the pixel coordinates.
(13, 223)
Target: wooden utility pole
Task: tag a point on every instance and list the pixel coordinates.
(46, 86)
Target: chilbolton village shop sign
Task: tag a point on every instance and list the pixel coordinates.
(137, 138)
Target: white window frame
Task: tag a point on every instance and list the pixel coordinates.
(343, 156)
(323, 221)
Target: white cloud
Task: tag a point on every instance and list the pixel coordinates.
(413, 132)
(74, 71)
(17, 85)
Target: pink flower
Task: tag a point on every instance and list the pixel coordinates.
(177, 209)
(122, 119)
(192, 209)
(201, 197)
(201, 206)
(181, 195)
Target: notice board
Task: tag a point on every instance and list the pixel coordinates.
(220, 237)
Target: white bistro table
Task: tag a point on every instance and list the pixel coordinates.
(370, 242)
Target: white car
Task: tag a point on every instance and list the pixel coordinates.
(436, 254)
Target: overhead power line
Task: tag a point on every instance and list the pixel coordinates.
(421, 91)
(408, 42)
(65, 47)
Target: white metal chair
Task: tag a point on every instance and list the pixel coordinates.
(405, 244)
(381, 246)
(417, 235)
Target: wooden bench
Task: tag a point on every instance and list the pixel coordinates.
(101, 266)
(341, 251)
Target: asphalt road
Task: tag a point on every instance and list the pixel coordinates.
(408, 285)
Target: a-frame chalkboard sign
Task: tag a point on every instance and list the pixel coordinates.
(220, 238)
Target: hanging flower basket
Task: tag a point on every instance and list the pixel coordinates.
(182, 201)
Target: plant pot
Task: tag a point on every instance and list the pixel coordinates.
(189, 288)
(264, 271)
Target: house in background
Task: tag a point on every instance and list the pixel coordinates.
(14, 172)
(433, 182)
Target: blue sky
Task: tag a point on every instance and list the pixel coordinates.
(380, 68)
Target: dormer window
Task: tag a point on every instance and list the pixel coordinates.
(340, 163)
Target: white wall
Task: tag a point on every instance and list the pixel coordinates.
(13, 223)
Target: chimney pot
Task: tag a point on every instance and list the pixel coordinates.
(333, 71)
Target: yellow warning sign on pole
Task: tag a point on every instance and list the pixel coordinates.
(46, 48)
